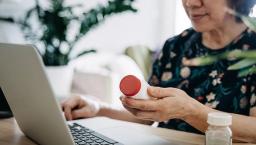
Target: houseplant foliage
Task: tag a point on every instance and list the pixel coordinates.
(54, 24)
(246, 59)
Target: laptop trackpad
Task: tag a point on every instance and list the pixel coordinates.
(133, 136)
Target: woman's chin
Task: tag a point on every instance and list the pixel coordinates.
(201, 28)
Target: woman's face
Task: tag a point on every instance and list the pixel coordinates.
(207, 15)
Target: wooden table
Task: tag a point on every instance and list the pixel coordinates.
(10, 133)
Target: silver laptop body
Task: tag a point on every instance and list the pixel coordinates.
(24, 83)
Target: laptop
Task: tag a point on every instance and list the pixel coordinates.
(36, 110)
(5, 110)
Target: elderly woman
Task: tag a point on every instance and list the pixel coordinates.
(185, 95)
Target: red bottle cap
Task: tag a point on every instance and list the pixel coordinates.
(130, 85)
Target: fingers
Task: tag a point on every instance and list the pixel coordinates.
(144, 115)
(69, 105)
(147, 115)
(131, 110)
(80, 113)
(158, 92)
(145, 105)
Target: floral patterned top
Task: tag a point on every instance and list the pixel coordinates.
(212, 85)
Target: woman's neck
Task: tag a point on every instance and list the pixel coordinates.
(221, 37)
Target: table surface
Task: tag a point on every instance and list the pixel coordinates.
(10, 133)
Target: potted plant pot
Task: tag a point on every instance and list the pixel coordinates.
(60, 78)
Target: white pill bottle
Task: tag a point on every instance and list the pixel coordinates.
(133, 87)
(218, 132)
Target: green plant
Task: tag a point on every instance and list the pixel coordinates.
(247, 59)
(54, 23)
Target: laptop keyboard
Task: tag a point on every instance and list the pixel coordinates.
(86, 136)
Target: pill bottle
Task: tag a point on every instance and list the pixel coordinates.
(133, 87)
(218, 132)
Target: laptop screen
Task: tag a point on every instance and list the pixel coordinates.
(5, 110)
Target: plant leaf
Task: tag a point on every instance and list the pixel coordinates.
(247, 54)
(242, 64)
(10, 20)
(86, 52)
(55, 23)
(248, 71)
(249, 22)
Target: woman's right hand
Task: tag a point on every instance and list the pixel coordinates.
(79, 107)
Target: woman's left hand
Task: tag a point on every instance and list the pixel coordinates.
(167, 103)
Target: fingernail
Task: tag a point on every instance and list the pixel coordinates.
(150, 88)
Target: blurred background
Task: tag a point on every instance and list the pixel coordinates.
(151, 25)
(92, 44)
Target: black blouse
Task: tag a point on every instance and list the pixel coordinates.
(212, 85)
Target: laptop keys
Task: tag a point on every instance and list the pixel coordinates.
(85, 136)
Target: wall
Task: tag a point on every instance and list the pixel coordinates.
(149, 26)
